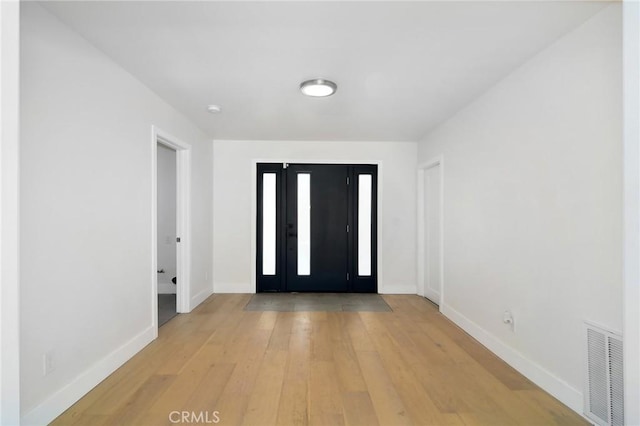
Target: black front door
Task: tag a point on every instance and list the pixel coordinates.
(317, 235)
(316, 228)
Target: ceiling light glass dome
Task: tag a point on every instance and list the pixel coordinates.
(318, 87)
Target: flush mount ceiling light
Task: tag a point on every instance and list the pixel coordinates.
(318, 87)
(214, 109)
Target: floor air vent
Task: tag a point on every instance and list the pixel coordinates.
(603, 385)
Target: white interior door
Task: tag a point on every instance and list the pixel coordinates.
(432, 239)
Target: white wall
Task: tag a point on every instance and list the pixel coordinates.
(9, 173)
(86, 213)
(166, 219)
(631, 293)
(533, 206)
(234, 202)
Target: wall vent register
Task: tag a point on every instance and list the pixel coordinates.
(604, 399)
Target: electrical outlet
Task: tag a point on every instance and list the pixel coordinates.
(47, 363)
(507, 318)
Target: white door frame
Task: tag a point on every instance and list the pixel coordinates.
(183, 221)
(422, 237)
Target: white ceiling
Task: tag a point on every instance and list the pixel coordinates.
(401, 67)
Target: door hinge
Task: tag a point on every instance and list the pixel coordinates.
(285, 165)
(177, 239)
(347, 276)
(347, 228)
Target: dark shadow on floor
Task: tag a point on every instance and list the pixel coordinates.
(166, 308)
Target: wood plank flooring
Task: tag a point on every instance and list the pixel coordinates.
(409, 366)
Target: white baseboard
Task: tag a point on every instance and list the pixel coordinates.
(200, 297)
(233, 288)
(65, 397)
(397, 289)
(551, 383)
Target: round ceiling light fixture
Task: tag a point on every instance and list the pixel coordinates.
(214, 109)
(318, 87)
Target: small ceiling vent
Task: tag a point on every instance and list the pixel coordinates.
(603, 397)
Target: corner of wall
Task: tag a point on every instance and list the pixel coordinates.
(199, 298)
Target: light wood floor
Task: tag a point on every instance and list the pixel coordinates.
(409, 366)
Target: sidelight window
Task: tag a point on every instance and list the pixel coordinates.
(364, 224)
(304, 224)
(269, 224)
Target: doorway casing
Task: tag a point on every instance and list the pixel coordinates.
(422, 237)
(183, 221)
